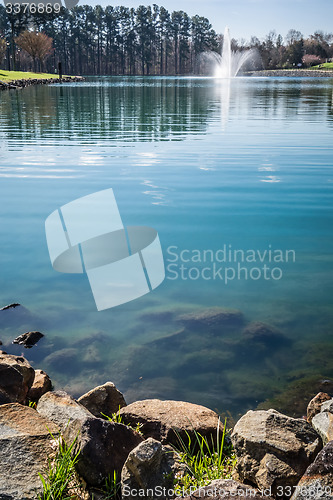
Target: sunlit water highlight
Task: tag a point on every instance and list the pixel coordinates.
(247, 163)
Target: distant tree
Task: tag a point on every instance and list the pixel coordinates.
(36, 44)
(3, 47)
(311, 60)
(295, 48)
(293, 36)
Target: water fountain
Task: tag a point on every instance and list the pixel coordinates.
(228, 63)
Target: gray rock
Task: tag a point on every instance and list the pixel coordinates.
(273, 450)
(41, 385)
(104, 446)
(62, 409)
(160, 419)
(25, 446)
(315, 404)
(149, 468)
(317, 482)
(104, 399)
(323, 424)
(221, 489)
(16, 378)
(327, 406)
(261, 332)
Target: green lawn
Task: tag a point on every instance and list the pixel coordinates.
(323, 66)
(8, 76)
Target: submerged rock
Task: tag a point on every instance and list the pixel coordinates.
(273, 450)
(61, 408)
(104, 447)
(261, 332)
(104, 399)
(25, 446)
(18, 317)
(148, 467)
(16, 378)
(314, 406)
(166, 421)
(213, 318)
(10, 306)
(294, 399)
(28, 339)
(317, 482)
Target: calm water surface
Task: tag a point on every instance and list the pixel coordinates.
(243, 164)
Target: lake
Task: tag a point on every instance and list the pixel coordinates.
(237, 178)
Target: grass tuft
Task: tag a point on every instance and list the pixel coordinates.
(60, 482)
(204, 460)
(118, 419)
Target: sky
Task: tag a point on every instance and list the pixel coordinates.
(249, 17)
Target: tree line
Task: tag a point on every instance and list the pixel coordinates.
(148, 40)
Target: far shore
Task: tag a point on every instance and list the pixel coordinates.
(308, 73)
(19, 79)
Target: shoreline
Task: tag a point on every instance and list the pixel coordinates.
(20, 84)
(145, 445)
(292, 73)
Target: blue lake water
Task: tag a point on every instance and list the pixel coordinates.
(212, 165)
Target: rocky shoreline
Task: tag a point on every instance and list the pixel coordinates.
(18, 84)
(292, 73)
(274, 455)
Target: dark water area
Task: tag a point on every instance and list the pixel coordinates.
(236, 177)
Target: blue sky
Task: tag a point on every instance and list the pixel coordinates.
(249, 17)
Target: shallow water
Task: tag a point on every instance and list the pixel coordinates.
(211, 165)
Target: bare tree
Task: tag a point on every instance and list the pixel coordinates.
(3, 47)
(36, 44)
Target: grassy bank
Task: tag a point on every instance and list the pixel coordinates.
(10, 76)
(325, 66)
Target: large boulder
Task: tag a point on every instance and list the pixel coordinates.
(149, 469)
(104, 446)
(166, 421)
(273, 450)
(222, 489)
(41, 384)
(16, 378)
(317, 482)
(314, 407)
(25, 446)
(62, 409)
(104, 399)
